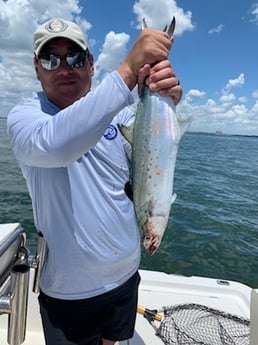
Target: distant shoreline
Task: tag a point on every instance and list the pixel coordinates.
(222, 134)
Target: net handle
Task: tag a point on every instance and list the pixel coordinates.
(149, 314)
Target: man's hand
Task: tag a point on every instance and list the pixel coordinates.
(150, 47)
(162, 79)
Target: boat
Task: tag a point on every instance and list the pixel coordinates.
(20, 321)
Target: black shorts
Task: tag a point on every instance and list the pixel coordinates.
(85, 322)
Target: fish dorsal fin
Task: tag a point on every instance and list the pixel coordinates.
(127, 132)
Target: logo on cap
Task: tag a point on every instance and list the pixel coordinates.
(56, 25)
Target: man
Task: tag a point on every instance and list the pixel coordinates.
(76, 164)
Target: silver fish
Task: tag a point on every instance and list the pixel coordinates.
(155, 136)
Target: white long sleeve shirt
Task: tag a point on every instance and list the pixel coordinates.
(76, 163)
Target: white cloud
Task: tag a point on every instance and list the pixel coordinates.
(239, 111)
(254, 13)
(193, 94)
(237, 82)
(255, 94)
(227, 113)
(253, 114)
(224, 114)
(159, 13)
(113, 52)
(216, 30)
(243, 99)
(227, 98)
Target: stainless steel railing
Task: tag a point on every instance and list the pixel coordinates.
(14, 300)
(15, 287)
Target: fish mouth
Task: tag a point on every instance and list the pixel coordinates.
(151, 244)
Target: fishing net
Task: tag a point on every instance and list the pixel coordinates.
(200, 325)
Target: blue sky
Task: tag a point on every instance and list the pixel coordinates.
(214, 55)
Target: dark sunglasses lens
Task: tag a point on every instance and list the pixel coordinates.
(50, 62)
(76, 59)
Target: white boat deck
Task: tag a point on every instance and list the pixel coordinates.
(156, 290)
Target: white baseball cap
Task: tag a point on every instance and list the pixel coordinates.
(58, 28)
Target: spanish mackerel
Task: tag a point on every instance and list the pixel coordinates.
(155, 137)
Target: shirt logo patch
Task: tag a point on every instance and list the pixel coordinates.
(110, 133)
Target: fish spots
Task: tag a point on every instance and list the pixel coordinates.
(153, 167)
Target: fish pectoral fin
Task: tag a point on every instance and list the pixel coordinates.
(127, 132)
(173, 198)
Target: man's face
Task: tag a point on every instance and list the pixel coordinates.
(64, 85)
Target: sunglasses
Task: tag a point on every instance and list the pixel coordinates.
(51, 62)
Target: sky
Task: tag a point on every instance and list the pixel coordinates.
(214, 54)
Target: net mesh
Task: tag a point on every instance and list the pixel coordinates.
(200, 325)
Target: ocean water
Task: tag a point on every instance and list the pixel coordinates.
(213, 227)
